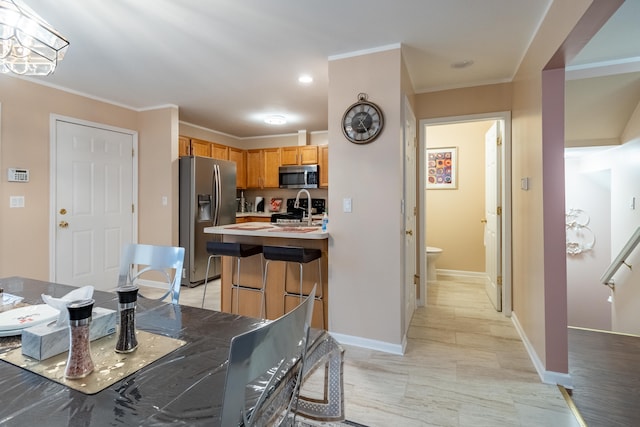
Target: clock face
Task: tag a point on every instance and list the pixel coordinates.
(362, 122)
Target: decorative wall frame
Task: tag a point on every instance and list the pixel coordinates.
(442, 168)
(579, 236)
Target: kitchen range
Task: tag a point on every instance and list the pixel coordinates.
(293, 213)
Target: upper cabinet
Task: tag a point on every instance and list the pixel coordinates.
(299, 155)
(239, 157)
(262, 168)
(259, 168)
(184, 146)
(220, 152)
(200, 148)
(323, 164)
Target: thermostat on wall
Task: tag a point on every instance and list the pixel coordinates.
(18, 175)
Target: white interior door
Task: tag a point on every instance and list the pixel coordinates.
(410, 212)
(94, 201)
(492, 226)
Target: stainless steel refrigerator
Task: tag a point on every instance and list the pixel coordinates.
(207, 198)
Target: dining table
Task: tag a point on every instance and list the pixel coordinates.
(183, 388)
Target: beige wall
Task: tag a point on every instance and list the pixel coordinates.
(539, 270)
(625, 184)
(453, 216)
(365, 290)
(465, 101)
(158, 177)
(26, 111)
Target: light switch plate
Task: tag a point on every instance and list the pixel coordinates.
(16, 201)
(346, 205)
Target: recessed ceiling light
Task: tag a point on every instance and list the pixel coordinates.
(305, 79)
(275, 120)
(462, 64)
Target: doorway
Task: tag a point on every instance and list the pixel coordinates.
(503, 170)
(93, 199)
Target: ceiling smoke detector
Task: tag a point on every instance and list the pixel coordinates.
(462, 64)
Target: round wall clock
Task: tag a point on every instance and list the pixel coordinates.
(363, 121)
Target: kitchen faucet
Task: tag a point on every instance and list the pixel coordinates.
(297, 204)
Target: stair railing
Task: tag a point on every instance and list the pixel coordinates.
(607, 277)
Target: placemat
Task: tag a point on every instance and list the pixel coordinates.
(250, 227)
(109, 366)
(296, 229)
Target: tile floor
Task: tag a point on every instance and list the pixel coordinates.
(465, 365)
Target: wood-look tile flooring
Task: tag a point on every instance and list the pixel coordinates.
(464, 365)
(606, 376)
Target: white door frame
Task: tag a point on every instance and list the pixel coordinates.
(505, 117)
(53, 179)
(409, 134)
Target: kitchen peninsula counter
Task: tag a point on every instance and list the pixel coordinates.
(261, 233)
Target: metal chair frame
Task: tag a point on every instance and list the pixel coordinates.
(162, 259)
(276, 351)
(237, 286)
(300, 294)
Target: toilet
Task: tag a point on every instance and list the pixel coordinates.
(433, 254)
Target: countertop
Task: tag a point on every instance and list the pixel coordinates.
(314, 217)
(265, 229)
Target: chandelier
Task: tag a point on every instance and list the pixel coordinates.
(28, 45)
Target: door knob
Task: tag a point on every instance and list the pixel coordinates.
(484, 221)
(409, 232)
(63, 224)
(63, 211)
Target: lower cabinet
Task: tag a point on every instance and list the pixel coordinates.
(279, 275)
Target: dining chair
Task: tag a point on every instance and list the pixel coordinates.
(138, 259)
(265, 370)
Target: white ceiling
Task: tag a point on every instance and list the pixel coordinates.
(228, 63)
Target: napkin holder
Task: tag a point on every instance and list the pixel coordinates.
(46, 340)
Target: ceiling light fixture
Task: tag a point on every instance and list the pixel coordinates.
(305, 79)
(275, 120)
(28, 45)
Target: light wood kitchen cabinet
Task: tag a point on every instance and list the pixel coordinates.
(271, 165)
(262, 168)
(299, 155)
(239, 157)
(200, 148)
(220, 152)
(184, 146)
(323, 164)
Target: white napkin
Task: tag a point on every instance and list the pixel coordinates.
(60, 304)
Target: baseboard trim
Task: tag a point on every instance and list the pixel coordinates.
(462, 276)
(547, 377)
(370, 344)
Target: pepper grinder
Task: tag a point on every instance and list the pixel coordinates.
(79, 363)
(127, 298)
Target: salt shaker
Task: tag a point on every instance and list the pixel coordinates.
(127, 297)
(79, 362)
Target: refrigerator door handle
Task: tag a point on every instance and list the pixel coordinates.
(216, 190)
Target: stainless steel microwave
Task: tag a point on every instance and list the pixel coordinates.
(305, 176)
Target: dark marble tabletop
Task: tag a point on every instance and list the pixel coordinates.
(184, 388)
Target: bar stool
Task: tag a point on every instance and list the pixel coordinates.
(238, 251)
(298, 255)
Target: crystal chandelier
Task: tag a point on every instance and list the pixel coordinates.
(28, 45)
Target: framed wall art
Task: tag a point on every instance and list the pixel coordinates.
(442, 168)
